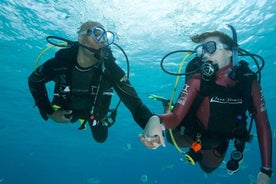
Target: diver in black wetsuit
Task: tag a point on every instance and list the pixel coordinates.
(85, 75)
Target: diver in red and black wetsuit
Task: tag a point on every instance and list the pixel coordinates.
(85, 75)
(221, 112)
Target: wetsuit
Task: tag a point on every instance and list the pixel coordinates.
(65, 72)
(203, 114)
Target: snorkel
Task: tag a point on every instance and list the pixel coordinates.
(235, 45)
(234, 73)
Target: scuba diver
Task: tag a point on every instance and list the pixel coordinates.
(85, 75)
(212, 109)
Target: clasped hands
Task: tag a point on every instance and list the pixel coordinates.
(153, 134)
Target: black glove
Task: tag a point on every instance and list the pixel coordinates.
(104, 54)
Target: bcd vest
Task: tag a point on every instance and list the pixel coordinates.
(79, 90)
(228, 107)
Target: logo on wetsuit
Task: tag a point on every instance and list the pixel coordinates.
(184, 94)
(217, 99)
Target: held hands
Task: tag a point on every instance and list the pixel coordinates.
(61, 116)
(153, 135)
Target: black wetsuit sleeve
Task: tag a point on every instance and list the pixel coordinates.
(37, 85)
(117, 78)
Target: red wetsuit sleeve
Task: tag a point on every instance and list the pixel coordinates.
(184, 102)
(262, 125)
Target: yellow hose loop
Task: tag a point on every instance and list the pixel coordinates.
(173, 94)
(44, 51)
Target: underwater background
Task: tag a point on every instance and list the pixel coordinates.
(33, 151)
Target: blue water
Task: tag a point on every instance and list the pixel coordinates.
(33, 151)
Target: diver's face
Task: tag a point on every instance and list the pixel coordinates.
(91, 42)
(221, 56)
(96, 37)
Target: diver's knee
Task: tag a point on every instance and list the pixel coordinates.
(99, 133)
(100, 139)
(207, 169)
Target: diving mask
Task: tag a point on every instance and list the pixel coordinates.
(209, 47)
(99, 33)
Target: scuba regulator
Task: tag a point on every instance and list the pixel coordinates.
(208, 70)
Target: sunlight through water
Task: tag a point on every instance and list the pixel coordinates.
(34, 151)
